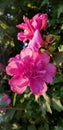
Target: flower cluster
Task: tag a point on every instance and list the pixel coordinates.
(31, 67)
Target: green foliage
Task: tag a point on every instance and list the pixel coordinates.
(26, 111)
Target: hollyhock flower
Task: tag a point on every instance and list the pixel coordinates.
(30, 68)
(6, 99)
(1, 67)
(36, 41)
(39, 21)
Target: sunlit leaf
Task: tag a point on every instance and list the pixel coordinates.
(47, 103)
(57, 104)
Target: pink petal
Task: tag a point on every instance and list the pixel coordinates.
(26, 52)
(44, 21)
(51, 69)
(24, 37)
(45, 58)
(36, 21)
(18, 84)
(12, 69)
(36, 41)
(16, 58)
(38, 87)
(39, 21)
(48, 78)
(27, 21)
(36, 16)
(50, 73)
(21, 36)
(42, 59)
(22, 26)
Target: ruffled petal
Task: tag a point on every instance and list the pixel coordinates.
(38, 87)
(30, 27)
(45, 58)
(47, 78)
(50, 73)
(44, 21)
(51, 69)
(26, 52)
(18, 84)
(24, 36)
(42, 59)
(12, 69)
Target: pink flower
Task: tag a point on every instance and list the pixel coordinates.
(1, 67)
(6, 99)
(39, 21)
(30, 68)
(36, 41)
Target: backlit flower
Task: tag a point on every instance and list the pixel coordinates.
(30, 68)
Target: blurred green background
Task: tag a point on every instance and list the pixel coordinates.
(26, 111)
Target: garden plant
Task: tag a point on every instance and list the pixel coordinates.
(31, 65)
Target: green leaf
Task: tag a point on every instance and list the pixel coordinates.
(43, 3)
(44, 127)
(3, 4)
(58, 128)
(31, 127)
(57, 78)
(58, 59)
(22, 100)
(7, 116)
(60, 10)
(57, 104)
(47, 103)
